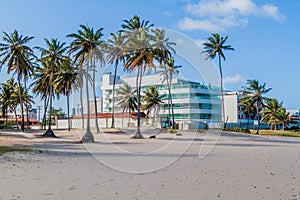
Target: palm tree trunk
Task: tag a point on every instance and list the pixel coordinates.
(222, 92)
(154, 112)
(6, 117)
(21, 104)
(113, 98)
(16, 118)
(248, 121)
(46, 102)
(49, 132)
(258, 117)
(26, 106)
(81, 107)
(169, 97)
(138, 134)
(88, 136)
(94, 93)
(68, 111)
(171, 102)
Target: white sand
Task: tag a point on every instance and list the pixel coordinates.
(238, 167)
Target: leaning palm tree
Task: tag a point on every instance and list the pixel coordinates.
(55, 56)
(67, 81)
(18, 58)
(127, 100)
(87, 46)
(115, 51)
(153, 101)
(216, 46)
(256, 91)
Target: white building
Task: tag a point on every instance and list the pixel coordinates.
(195, 105)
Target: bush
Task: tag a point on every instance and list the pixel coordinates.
(237, 129)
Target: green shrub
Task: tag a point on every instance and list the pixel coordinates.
(237, 129)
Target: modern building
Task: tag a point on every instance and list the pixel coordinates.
(195, 105)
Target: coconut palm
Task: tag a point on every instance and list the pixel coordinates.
(169, 70)
(153, 101)
(87, 46)
(55, 56)
(126, 99)
(18, 58)
(5, 98)
(134, 24)
(115, 49)
(270, 111)
(256, 91)
(140, 57)
(283, 117)
(215, 47)
(247, 107)
(41, 85)
(65, 82)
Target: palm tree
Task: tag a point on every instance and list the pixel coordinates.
(5, 98)
(216, 46)
(87, 46)
(256, 91)
(126, 98)
(283, 117)
(153, 101)
(115, 50)
(55, 56)
(167, 73)
(139, 55)
(247, 107)
(41, 85)
(66, 81)
(270, 111)
(134, 24)
(18, 58)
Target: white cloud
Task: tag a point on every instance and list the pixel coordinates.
(234, 79)
(168, 13)
(217, 15)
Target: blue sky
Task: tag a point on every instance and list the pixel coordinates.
(263, 32)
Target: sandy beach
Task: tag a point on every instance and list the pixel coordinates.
(168, 167)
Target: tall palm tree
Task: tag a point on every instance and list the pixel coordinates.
(216, 46)
(55, 56)
(41, 85)
(134, 24)
(139, 55)
(18, 58)
(115, 49)
(256, 91)
(66, 81)
(126, 98)
(169, 70)
(153, 101)
(87, 45)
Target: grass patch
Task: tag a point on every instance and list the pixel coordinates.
(285, 133)
(8, 149)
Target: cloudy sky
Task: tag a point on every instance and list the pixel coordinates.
(263, 32)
